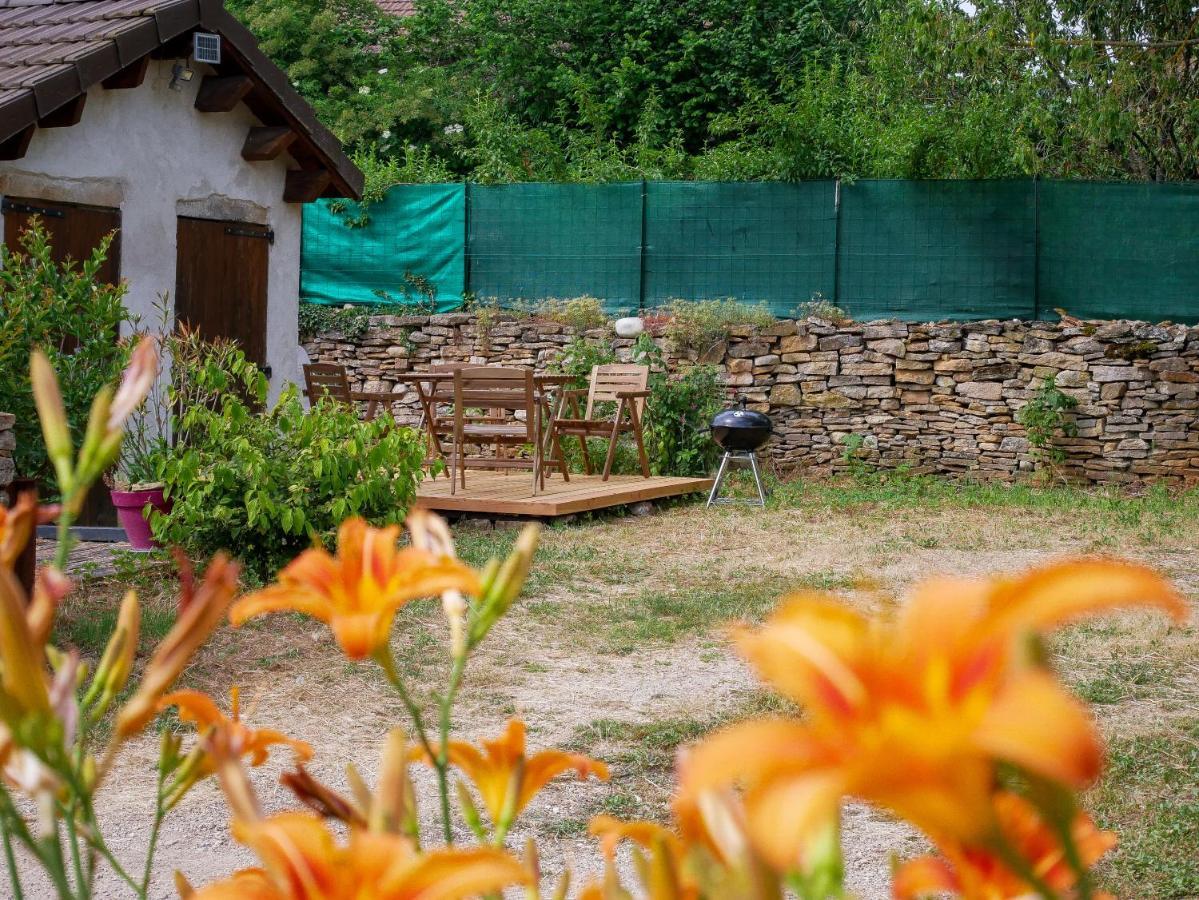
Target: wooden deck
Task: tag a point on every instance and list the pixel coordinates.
(511, 494)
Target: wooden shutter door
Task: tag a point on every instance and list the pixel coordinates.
(74, 231)
(221, 281)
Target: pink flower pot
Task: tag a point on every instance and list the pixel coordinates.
(133, 515)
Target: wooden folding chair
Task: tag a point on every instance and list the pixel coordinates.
(497, 389)
(330, 380)
(436, 396)
(620, 383)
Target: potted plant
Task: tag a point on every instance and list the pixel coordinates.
(135, 483)
(136, 489)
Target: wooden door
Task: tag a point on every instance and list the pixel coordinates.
(221, 281)
(74, 232)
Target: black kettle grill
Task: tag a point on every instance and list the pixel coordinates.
(739, 432)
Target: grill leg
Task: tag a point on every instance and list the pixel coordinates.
(724, 461)
(753, 461)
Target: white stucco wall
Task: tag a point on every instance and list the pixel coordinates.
(149, 152)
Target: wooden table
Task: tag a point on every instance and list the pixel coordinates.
(547, 386)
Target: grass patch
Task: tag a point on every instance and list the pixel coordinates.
(666, 616)
(86, 622)
(646, 746)
(1150, 797)
(1125, 679)
(1159, 513)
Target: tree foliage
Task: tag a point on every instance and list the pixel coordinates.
(589, 90)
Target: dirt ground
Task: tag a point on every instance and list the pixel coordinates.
(589, 649)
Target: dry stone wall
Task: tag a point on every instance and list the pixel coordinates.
(933, 398)
(8, 443)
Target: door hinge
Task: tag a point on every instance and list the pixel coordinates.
(13, 206)
(249, 232)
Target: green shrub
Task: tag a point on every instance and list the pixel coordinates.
(698, 324)
(75, 319)
(578, 358)
(264, 482)
(351, 321)
(820, 308)
(678, 413)
(1044, 417)
(580, 313)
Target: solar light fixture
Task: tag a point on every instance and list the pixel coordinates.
(181, 73)
(206, 47)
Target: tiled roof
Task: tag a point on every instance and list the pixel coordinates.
(399, 8)
(51, 51)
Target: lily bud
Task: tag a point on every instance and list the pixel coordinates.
(53, 416)
(23, 675)
(326, 802)
(117, 662)
(501, 589)
(136, 382)
(470, 812)
(511, 801)
(193, 627)
(393, 807)
(16, 527)
(183, 887)
(49, 588)
(94, 457)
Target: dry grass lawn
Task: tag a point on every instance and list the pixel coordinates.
(617, 649)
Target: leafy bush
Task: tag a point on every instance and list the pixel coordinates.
(73, 318)
(1044, 417)
(263, 483)
(578, 358)
(678, 413)
(820, 308)
(698, 324)
(351, 321)
(580, 313)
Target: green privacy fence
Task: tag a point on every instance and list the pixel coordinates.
(760, 242)
(416, 231)
(920, 250)
(530, 241)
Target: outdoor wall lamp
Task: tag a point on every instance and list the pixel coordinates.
(181, 73)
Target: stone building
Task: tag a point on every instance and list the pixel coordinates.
(109, 122)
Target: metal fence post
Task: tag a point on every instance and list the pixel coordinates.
(1036, 247)
(836, 298)
(641, 256)
(466, 286)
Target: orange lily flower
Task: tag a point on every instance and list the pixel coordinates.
(235, 739)
(17, 523)
(301, 861)
(24, 678)
(979, 874)
(201, 612)
(506, 778)
(358, 592)
(915, 714)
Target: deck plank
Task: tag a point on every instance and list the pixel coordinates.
(512, 495)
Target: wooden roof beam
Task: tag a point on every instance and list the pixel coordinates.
(15, 146)
(131, 76)
(66, 115)
(267, 142)
(305, 185)
(221, 93)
